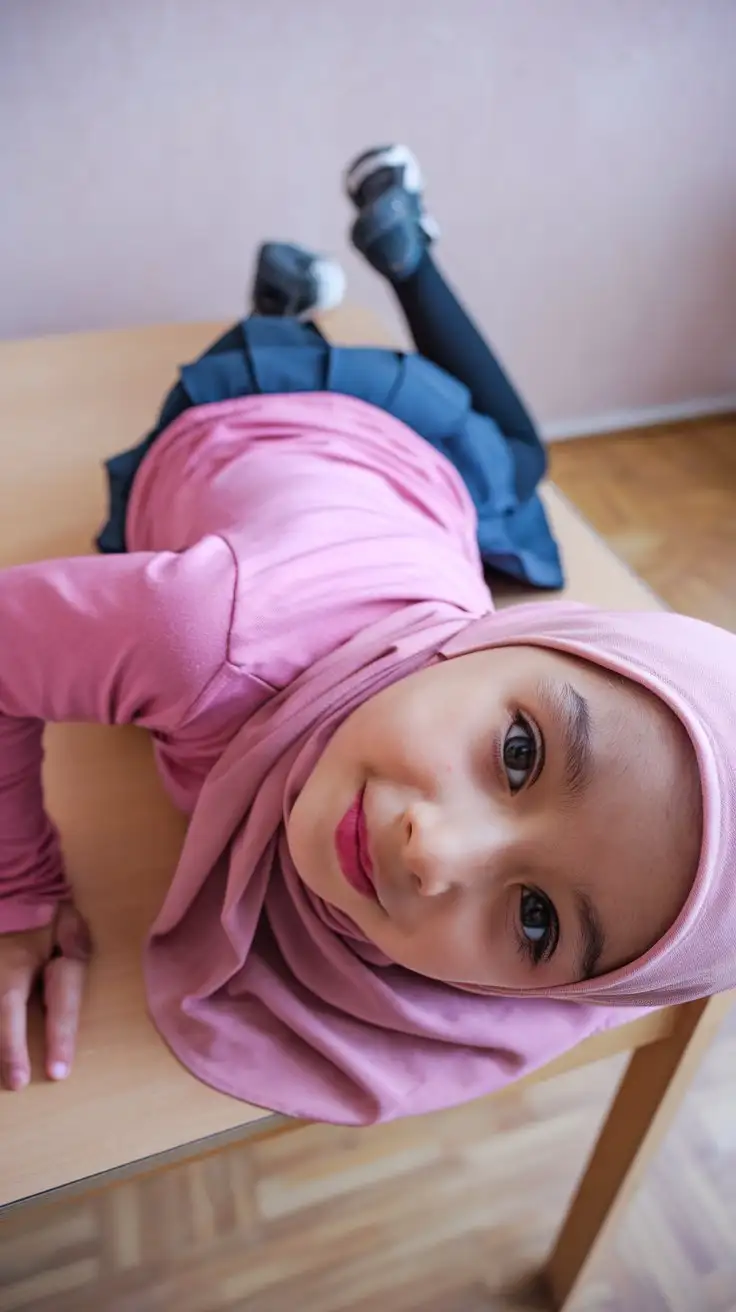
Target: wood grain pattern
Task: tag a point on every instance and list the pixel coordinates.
(448, 1213)
(665, 500)
(444, 1215)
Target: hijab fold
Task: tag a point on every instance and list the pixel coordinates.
(269, 995)
(261, 989)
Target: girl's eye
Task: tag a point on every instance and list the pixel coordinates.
(539, 925)
(521, 754)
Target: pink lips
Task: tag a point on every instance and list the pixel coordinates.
(351, 844)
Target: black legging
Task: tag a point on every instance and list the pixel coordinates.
(444, 333)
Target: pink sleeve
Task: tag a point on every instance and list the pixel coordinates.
(116, 640)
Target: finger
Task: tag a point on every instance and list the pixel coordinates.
(63, 991)
(15, 1065)
(71, 933)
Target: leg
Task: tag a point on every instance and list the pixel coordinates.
(652, 1089)
(444, 333)
(394, 233)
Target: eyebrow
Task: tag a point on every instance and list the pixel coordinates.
(593, 938)
(570, 708)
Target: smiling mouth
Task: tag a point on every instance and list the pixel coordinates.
(351, 845)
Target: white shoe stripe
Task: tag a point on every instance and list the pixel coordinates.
(330, 279)
(391, 157)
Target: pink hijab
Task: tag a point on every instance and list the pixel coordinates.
(265, 993)
(260, 988)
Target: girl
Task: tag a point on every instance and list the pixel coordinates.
(430, 846)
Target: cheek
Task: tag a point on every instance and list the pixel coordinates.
(421, 742)
(308, 833)
(454, 951)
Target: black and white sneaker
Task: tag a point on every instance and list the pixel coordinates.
(393, 228)
(291, 280)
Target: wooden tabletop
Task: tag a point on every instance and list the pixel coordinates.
(65, 404)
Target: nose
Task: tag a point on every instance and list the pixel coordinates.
(445, 852)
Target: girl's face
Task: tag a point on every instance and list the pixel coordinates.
(512, 818)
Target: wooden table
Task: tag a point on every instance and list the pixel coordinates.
(65, 404)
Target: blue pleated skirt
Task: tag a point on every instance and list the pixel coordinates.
(271, 355)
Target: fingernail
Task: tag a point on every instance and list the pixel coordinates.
(58, 1070)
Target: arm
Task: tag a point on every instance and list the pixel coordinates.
(133, 639)
(129, 639)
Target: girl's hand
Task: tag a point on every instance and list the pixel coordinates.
(58, 955)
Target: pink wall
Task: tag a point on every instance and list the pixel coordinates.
(582, 161)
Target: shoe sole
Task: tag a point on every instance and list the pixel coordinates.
(381, 158)
(329, 278)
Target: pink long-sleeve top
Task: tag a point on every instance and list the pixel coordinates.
(288, 557)
(262, 534)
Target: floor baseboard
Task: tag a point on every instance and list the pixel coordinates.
(647, 417)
